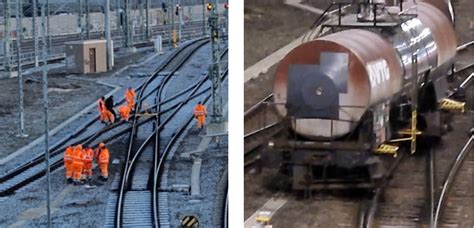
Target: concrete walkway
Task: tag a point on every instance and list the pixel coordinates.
(297, 4)
(263, 65)
(271, 207)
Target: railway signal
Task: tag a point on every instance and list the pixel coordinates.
(163, 7)
(177, 9)
(209, 6)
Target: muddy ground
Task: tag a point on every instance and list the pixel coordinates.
(330, 212)
(270, 25)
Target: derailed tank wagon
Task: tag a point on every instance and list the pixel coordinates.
(364, 90)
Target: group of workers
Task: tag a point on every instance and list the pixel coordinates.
(106, 107)
(78, 163)
(78, 160)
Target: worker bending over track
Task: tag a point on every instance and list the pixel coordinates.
(101, 107)
(200, 114)
(130, 97)
(124, 112)
(102, 155)
(105, 115)
(68, 162)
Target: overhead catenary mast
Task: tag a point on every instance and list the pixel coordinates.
(7, 38)
(217, 125)
(19, 33)
(45, 108)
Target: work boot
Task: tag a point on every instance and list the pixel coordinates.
(76, 182)
(69, 180)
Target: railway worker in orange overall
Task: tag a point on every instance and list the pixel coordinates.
(124, 112)
(108, 116)
(200, 114)
(102, 155)
(101, 107)
(88, 159)
(130, 97)
(77, 164)
(67, 163)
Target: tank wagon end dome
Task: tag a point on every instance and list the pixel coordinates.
(373, 73)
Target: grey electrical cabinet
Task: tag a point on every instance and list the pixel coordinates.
(87, 56)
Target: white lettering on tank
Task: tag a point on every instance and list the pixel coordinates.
(378, 72)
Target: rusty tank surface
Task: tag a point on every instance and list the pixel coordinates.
(326, 85)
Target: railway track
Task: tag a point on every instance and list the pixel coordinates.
(448, 208)
(137, 199)
(134, 193)
(57, 52)
(90, 134)
(225, 214)
(414, 185)
(261, 124)
(411, 199)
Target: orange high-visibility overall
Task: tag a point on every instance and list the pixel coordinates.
(130, 98)
(88, 159)
(124, 111)
(108, 116)
(200, 113)
(101, 106)
(77, 163)
(103, 160)
(68, 161)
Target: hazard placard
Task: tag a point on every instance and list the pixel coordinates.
(190, 221)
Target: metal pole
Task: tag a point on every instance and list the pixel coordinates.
(7, 38)
(19, 11)
(119, 27)
(147, 11)
(48, 15)
(107, 34)
(88, 20)
(128, 42)
(35, 38)
(180, 18)
(80, 20)
(215, 68)
(45, 105)
(172, 20)
(170, 8)
(141, 15)
(204, 17)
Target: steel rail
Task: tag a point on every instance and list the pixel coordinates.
(256, 106)
(57, 147)
(448, 183)
(194, 46)
(87, 139)
(171, 143)
(370, 214)
(226, 209)
(159, 127)
(93, 137)
(58, 42)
